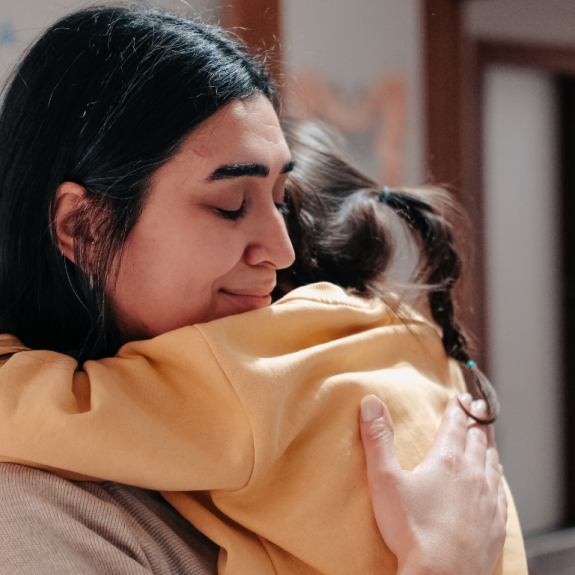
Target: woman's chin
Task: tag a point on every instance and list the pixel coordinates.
(240, 303)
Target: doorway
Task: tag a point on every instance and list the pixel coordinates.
(538, 415)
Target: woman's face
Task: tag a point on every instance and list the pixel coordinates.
(210, 237)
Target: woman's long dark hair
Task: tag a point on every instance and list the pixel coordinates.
(348, 230)
(102, 99)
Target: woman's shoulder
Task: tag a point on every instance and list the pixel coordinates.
(50, 525)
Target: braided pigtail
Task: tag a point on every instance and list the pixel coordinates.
(441, 271)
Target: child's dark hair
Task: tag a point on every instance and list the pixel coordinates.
(349, 231)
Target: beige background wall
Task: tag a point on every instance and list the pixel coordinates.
(531, 20)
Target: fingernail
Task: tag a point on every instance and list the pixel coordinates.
(465, 398)
(371, 408)
(479, 407)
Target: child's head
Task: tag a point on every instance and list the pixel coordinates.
(348, 230)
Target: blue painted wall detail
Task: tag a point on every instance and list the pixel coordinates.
(7, 33)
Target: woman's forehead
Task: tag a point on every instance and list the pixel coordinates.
(241, 132)
(242, 139)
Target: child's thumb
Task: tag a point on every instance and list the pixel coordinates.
(376, 429)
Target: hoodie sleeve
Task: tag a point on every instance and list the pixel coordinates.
(129, 418)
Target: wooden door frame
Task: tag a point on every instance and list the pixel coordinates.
(449, 62)
(258, 23)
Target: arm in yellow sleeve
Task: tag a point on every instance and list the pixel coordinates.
(129, 418)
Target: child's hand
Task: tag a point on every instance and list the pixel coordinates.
(448, 515)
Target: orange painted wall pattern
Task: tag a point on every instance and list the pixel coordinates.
(308, 95)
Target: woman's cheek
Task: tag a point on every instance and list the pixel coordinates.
(218, 246)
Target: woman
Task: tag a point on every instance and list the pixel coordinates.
(141, 258)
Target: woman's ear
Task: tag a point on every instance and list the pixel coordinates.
(68, 198)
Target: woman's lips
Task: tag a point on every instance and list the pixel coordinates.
(247, 301)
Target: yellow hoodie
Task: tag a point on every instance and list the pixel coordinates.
(248, 425)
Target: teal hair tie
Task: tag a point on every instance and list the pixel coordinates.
(470, 364)
(384, 196)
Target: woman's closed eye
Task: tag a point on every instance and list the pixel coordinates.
(232, 215)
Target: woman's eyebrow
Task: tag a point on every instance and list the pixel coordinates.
(230, 171)
(288, 167)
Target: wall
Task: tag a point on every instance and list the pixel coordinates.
(354, 44)
(23, 20)
(551, 21)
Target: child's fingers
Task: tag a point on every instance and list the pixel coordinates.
(376, 429)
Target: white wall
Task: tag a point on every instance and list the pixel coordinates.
(528, 20)
(352, 44)
(523, 286)
(23, 20)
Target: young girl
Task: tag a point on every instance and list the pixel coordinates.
(248, 422)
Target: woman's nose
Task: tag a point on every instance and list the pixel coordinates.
(270, 242)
